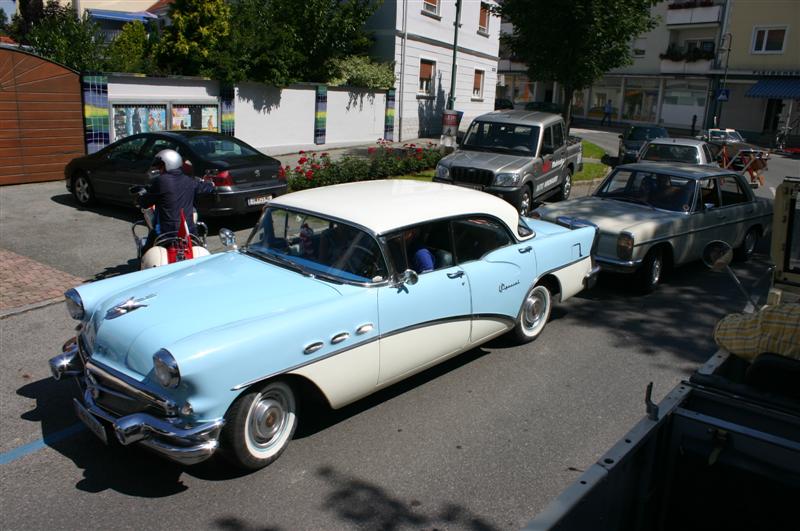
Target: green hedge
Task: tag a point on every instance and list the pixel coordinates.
(383, 161)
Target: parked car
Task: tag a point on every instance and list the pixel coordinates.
(732, 148)
(687, 150)
(634, 137)
(245, 178)
(653, 216)
(516, 155)
(503, 103)
(321, 303)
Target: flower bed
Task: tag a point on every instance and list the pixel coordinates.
(382, 161)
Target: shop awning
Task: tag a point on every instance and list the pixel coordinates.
(779, 89)
(121, 16)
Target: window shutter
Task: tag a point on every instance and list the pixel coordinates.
(425, 70)
(483, 22)
(478, 82)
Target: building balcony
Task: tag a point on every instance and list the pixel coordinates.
(691, 13)
(702, 66)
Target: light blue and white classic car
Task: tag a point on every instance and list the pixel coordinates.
(323, 302)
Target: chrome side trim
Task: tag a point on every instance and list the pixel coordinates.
(313, 347)
(363, 329)
(767, 225)
(133, 387)
(338, 338)
(613, 262)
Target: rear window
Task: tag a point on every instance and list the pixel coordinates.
(671, 153)
(220, 147)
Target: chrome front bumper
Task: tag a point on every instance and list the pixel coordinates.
(618, 266)
(187, 444)
(590, 279)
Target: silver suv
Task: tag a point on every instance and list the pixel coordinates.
(519, 156)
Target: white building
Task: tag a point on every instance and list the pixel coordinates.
(418, 36)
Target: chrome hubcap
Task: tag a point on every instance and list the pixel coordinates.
(525, 204)
(655, 271)
(267, 420)
(567, 185)
(534, 310)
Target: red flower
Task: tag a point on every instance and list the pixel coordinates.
(412, 145)
(301, 152)
(281, 173)
(419, 150)
(302, 160)
(309, 174)
(419, 157)
(315, 166)
(371, 150)
(298, 169)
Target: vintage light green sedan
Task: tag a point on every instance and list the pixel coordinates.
(653, 216)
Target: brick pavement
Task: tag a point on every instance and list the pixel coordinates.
(27, 282)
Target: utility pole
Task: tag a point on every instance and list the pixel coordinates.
(718, 103)
(451, 101)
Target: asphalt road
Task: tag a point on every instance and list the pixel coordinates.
(483, 441)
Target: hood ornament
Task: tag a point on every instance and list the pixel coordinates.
(127, 306)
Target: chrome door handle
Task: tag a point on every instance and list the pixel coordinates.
(525, 249)
(457, 274)
(363, 329)
(338, 338)
(313, 347)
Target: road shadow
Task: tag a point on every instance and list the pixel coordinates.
(104, 467)
(360, 504)
(121, 212)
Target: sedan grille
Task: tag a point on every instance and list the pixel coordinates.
(116, 394)
(472, 176)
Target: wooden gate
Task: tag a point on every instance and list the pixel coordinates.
(41, 118)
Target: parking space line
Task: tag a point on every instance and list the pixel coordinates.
(35, 446)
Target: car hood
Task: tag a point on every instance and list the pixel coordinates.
(219, 292)
(609, 215)
(483, 160)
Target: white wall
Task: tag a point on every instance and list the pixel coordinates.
(355, 116)
(269, 118)
(161, 90)
(741, 112)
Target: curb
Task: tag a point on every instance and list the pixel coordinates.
(29, 307)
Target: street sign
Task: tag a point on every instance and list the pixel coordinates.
(723, 94)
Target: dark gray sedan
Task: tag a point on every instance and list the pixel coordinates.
(245, 178)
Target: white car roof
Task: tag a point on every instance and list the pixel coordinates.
(388, 204)
(677, 141)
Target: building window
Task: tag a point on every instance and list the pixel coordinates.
(768, 40)
(430, 7)
(705, 46)
(483, 20)
(427, 69)
(477, 85)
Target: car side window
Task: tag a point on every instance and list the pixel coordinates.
(547, 141)
(709, 194)
(709, 156)
(159, 144)
(476, 236)
(423, 248)
(731, 191)
(128, 149)
(558, 136)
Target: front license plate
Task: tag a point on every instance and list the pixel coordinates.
(259, 200)
(470, 185)
(94, 425)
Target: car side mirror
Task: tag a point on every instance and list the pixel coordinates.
(409, 276)
(717, 255)
(228, 238)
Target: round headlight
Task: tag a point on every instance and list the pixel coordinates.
(442, 172)
(166, 369)
(506, 179)
(74, 304)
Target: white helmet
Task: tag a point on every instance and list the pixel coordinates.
(171, 159)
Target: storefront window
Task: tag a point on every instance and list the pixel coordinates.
(641, 100)
(682, 101)
(578, 103)
(135, 119)
(203, 117)
(606, 89)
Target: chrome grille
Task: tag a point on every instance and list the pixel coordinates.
(472, 176)
(121, 396)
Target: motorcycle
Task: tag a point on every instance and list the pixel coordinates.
(168, 247)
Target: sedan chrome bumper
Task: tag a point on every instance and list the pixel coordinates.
(170, 437)
(618, 266)
(590, 279)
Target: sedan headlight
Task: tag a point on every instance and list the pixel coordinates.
(166, 369)
(625, 246)
(74, 304)
(506, 179)
(442, 172)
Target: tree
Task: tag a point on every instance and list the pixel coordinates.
(361, 71)
(575, 43)
(63, 37)
(131, 50)
(198, 30)
(280, 42)
(30, 12)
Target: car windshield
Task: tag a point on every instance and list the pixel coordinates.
(315, 245)
(667, 192)
(672, 153)
(220, 147)
(502, 138)
(726, 136)
(646, 133)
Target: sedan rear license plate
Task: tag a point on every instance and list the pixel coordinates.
(94, 425)
(259, 200)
